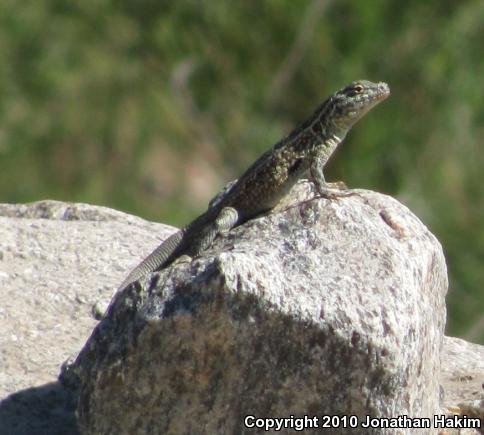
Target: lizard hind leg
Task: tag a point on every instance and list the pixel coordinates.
(227, 219)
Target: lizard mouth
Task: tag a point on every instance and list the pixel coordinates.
(375, 95)
(383, 91)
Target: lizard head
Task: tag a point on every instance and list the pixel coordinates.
(349, 104)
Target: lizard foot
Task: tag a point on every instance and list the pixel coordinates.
(333, 190)
(183, 259)
(339, 185)
(335, 194)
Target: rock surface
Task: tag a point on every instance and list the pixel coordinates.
(324, 308)
(57, 259)
(462, 379)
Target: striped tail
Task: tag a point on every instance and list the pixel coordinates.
(158, 259)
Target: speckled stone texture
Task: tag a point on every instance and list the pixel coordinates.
(56, 260)
(320, 308)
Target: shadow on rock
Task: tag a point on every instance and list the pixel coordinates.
(48, 409)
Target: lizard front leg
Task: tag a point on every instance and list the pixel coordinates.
(324, 189)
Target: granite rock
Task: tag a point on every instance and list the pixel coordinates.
(320, 308)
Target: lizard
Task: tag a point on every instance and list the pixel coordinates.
(303, 153)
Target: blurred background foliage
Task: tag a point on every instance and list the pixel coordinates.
(151, 106)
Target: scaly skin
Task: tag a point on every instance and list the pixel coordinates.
(302, 154)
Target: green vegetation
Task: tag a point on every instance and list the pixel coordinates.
(151, 106)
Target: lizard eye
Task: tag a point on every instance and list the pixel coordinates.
(358, 89)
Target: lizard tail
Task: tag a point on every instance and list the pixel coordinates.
(156, 260)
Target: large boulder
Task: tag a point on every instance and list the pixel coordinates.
(321, 308)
